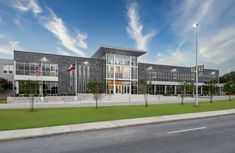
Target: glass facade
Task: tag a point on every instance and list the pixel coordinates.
(27, 68)
(121, 74)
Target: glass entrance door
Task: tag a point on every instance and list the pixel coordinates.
(118, 89)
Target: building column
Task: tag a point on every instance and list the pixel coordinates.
(17, 87)
(154, 92)
(175, 89)
(165, 91)
(201, 90)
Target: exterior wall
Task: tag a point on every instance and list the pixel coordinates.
(97, 67)
(9, 77)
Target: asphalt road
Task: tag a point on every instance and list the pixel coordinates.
(211, 135)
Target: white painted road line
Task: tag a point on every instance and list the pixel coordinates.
(186, 130)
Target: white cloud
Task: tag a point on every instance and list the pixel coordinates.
(135, 28)
(28, 5)
(54, 24)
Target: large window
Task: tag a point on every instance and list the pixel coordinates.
(110, 58)
(134, 72)
(134, 61)
(110, 72)
(50, 88)
(122, 72)
(27, 68)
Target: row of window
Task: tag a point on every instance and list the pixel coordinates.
(45, 69)
(121, 72)
(121, 59)
(8, 68)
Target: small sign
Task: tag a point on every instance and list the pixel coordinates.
(200, 69)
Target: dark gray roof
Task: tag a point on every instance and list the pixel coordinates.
(116, 50)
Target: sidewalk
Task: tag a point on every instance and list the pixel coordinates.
(45, 131)
(162, 100)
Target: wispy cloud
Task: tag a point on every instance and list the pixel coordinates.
(56, 26)
(135, 28)
(74, 43)
(216, 34)
(28, 5)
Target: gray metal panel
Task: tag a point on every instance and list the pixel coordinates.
(9, 77)
(120, 51)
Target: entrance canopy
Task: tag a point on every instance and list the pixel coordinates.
(115, 50)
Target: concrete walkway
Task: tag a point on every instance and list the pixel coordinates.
(45, 131)
(155, 99)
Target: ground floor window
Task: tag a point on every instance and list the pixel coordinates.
(50, 88)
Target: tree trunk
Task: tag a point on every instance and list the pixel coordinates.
(146, 100)
(182, 100)
(96, 103)
(32, 104)
(211, 97)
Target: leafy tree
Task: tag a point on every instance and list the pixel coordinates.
(97, 89)
(183, 87)
(211, 88)
(190, 87)
(144, 89)
(29, 88)
(5, 84)
(229, 87)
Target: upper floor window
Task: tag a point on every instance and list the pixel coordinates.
(10, 68)
(46, 69)
(134, 61)
(5, 68)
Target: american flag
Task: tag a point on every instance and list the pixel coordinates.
(71, 68)
(38, 70)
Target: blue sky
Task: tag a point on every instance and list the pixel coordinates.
(163, 28)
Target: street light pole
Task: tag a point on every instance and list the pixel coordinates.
(196, 30)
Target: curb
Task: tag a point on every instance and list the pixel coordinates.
(63, 129)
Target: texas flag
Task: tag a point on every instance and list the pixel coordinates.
(71, 68)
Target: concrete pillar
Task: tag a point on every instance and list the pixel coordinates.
(17, 87)
(154, 90)
(165, 91)
(175, 89)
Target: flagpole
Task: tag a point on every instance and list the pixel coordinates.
(76, 80)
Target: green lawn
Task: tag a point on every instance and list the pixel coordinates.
(22, 118)
(3, 101)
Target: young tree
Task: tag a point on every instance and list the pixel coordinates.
(183, 87)
(229, 87)
(211, 88)
(30, 88)
(97, 89)
(144, 88)
(190, 88)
